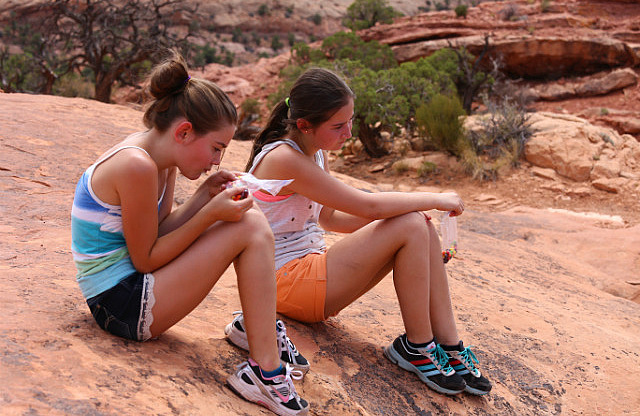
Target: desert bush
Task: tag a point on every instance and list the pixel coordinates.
(362, 14)
(427, 168)
(276, 44)
(545, 5)
(442, 6)
(347, 45)
(461, 10)
(510, 13)
(400, 167)
(207, 54)
(250, 106)
(316, 19)
(439, 121)
(73, 85)
(18, 73)
(500, 139)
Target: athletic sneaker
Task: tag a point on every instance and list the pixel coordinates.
(288, 352)
(275, 393)
(430, 364)
(464, 361)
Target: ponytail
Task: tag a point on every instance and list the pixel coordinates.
(277, 127)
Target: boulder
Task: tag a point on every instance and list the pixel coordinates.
(612, 81)
(599, 84)
(605, 168)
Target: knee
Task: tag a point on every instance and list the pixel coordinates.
(415, 222)
(255, 225)
(414, 226)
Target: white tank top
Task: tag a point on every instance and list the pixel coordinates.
(293, 218)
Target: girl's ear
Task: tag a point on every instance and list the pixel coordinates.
(303, 125)
(183, 132)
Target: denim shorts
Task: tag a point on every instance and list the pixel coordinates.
(125, 309)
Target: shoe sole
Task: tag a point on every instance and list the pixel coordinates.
(397, 359)
(476, 392)
(234, 337)
(239, 387)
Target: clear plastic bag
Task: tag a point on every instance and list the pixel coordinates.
(252, 184)
(449, 230)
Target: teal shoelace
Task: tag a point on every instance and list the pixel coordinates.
(469, 359)
(443, 359)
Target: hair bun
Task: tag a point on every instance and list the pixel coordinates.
(169, 77)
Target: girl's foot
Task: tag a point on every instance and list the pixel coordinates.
(288, 352)
(275, 393)
(464, 361)
(430, 364)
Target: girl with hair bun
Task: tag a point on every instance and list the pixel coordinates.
(142, 266)
(387, 232)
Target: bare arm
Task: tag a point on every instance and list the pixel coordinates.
(341, 222)
(136, 184)
(315, 183)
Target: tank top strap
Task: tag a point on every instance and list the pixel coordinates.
(114, 151)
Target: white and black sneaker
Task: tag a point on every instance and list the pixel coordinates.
(430, 364)
(288, 352)
(275, 393)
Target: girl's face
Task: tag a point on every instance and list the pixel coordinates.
(332, 134)
(204, 152)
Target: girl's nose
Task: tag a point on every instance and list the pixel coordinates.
(217, 157)
(347, 130)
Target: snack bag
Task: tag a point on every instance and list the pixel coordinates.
(449, 230)
(252, 184)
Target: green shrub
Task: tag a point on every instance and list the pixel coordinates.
(362, 14)
(276, 44)
(427, 168)
(461, 10)
(207, 54)
(250, 106)
(439, 119)
(400, 167)
(316, 19)
(73, 85)
(348, 45)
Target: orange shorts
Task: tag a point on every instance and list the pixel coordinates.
(302, 288)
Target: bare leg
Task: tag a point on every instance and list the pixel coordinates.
(409, 246)
(181, 285)
(442, 319)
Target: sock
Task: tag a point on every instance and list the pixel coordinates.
(271, 374)
(457, 347)
(426, 345)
